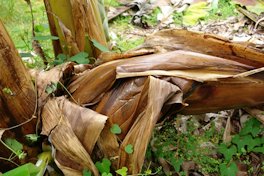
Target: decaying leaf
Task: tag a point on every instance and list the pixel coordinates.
(191, 73)
(53, 76)
(69, 128)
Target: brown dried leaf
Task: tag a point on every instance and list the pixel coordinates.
(227, 134)
(141, 130)
(54, 75)
(66, 133)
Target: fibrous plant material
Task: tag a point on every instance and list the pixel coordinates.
(191, 73)
(76, 23)
(73, 131)
(17, 95)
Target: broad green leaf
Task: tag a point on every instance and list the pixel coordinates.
(107, 174)
(195, 12)
(61, 58)
(99, 46)
(104, 166)
(46, 37)
(238, 140)
(227, 152)
(228, 170)
(176, 163)
(32, 137)
(16, 147)
(80, 58)
(248, 140)
(28, 169)
(252, 126)
(39, 28)
(115, 129)
(259, 149)
(86, 172)
(129, 149)
(122, 171)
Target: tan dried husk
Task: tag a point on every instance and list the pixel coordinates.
(191, 73)
(73, 131)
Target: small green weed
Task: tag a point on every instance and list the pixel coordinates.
(128, 44)
(151, 19)
(113, 3)
(178, 147)
(225, 9)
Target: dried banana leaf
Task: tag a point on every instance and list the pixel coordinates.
(192, 73)
(73, 131)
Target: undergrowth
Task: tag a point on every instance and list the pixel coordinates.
(205, 149)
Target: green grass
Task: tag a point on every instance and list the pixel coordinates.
(112, 3)
(128, 44)
(16, 16)
(124, 43)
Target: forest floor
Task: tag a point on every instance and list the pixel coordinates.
(222, 143)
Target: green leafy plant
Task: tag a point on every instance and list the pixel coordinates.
(228, 152)
(99, 46)
(247, 140)
(8, 91)
(16, 147)
(80, 58)
(32, 137)
(129, 149)
(122, 171)
(104, 166)
(229, 170)
(86, 172)
(28, 169)
(115, 129)
(51, 88)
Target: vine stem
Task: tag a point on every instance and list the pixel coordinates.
(5, 159)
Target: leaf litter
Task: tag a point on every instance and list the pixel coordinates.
(237, 28)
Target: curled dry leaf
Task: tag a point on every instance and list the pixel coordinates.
(69, 128)
(194, 73)
(45, 78)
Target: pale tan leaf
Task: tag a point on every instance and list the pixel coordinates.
(227, 133)
(62, 136)
(84, 122)
(144, 123)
